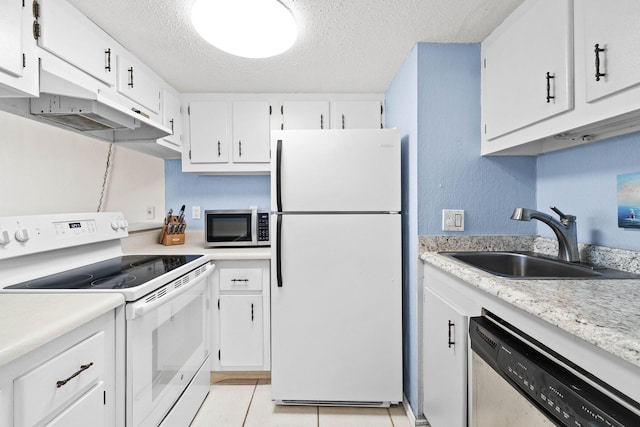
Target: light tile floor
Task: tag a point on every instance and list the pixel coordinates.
(247, 403)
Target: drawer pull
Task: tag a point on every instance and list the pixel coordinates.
(549, 77)
(597, 51)
(78, 372)
(240, 280)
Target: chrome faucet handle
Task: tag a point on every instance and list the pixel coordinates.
(565, 219)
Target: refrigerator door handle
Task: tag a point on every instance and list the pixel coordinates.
(279, 175)
(279, 251)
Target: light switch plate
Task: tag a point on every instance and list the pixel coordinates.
(195, 212)
(452, 220)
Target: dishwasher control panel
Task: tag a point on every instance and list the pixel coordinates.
(562, 394)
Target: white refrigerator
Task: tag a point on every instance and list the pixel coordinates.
(336, 267)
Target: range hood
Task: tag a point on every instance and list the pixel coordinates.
(74, 106)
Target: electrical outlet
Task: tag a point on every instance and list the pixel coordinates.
(195, 212)
(452, 220)
(151, 212)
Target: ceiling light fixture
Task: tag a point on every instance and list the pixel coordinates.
(247, 28)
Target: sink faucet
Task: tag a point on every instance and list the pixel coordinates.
(565, 230)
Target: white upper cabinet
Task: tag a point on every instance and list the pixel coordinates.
(208, 131)
(612, 42)
(527, 71)
(68, 34)
(18, 62)
(358, 115)
(305, 115)
(597, 98)
(11, 36)
(251, 127)
(138, 83)
(172, 116)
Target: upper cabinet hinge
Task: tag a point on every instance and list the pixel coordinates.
(36, 30)
(35, 9)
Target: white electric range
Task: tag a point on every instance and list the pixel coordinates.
(167, 327)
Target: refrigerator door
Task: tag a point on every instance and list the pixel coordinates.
(335, 170)
(336, 309)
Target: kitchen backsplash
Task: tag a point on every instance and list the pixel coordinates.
(212, 192)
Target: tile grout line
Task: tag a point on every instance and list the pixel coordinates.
(390, 417)
(318, 415)
(246, 414)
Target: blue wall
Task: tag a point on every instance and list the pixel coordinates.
(435, 100)
(582, 181)
(212, 192)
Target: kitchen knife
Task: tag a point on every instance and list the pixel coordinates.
(168, 222)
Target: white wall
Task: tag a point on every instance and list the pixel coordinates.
(44, 169)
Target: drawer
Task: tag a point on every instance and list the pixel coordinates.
(59, 381)
(240, 279)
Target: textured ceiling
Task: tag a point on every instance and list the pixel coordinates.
(352, 46)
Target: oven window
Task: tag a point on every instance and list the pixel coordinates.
(229, 228)
(174, 342)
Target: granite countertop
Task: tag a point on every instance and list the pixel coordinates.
(32, 320)
(605, 313)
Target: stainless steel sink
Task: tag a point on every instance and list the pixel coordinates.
(529, 265)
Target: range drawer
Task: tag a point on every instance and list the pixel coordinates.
(59, 381)
(240, 279)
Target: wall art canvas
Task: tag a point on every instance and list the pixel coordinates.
(629, 200)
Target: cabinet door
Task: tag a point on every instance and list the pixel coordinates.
(172, 117)
(70, 35)
(613, 27)
(208, 132)
(535, 40)
(251, 131)
(90, 406)
(445, 363)
(305, 115)
(11, 37)
(241, 334)
(139, 84)
(358, 115)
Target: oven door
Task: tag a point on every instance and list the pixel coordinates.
(167, 343)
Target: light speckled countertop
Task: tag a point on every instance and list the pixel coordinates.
(32, 320)
(605, 313)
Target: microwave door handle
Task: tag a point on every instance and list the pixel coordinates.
(140, 308)
(279, 250)
(254, 227)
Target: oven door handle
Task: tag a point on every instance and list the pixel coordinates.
(144, 306)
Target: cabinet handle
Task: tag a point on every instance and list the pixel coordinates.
(219, 149)
(549, 77)
(343, 121)
(451, 326)
(240, 280)
(321, 121)
(75, 374)
(239, 148)
(597, 51)
(130, 84)
(252, 312)
(172, 132)
(107, 59)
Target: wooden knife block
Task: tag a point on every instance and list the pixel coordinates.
(171, 239)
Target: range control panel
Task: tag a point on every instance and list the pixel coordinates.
(23, 235)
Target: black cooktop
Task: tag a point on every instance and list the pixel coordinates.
(127, 271)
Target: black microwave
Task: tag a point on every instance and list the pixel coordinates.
(236, 228)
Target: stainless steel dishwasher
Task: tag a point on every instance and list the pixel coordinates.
(517, 381)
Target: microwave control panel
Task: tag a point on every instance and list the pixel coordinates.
(263, 226)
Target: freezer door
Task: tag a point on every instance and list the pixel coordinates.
(336, 308)
(335, 170)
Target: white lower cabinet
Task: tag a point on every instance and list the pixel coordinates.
(68, 382)
(241, 331)
(445, 362)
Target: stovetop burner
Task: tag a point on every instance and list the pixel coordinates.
(127, 271)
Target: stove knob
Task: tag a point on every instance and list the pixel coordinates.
(115, 224)
(4, 238)
(22, 235)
